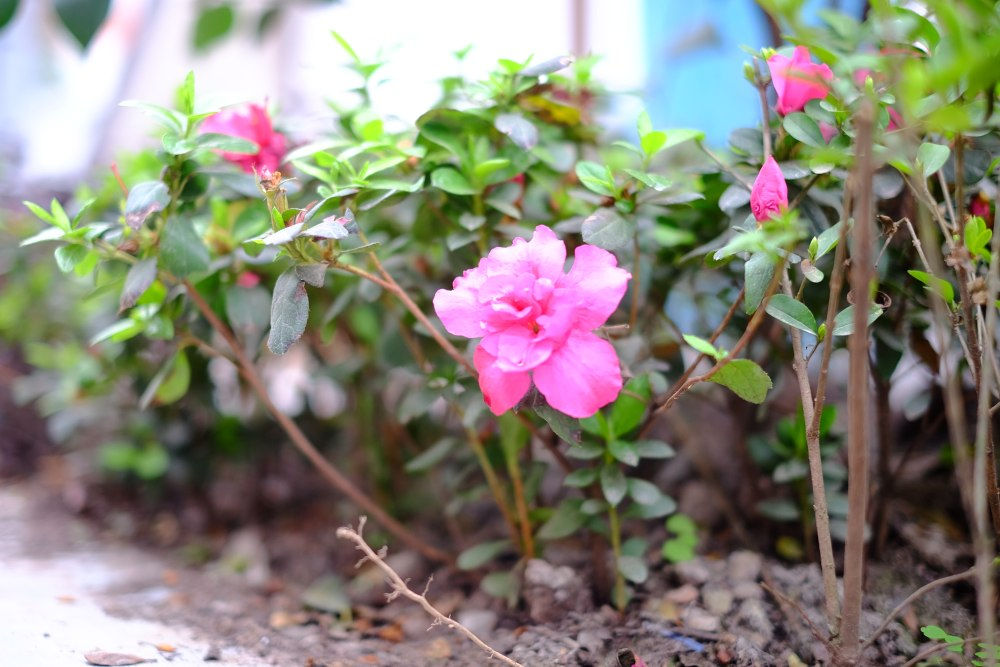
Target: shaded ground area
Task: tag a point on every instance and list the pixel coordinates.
(66, 589)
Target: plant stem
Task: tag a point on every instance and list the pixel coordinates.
(828, 565)
(514, 470)
(492, 482)
(765, 115)
(858, 387)
(302, 443)
(616, 548)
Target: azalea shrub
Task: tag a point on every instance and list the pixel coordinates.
(694, 270)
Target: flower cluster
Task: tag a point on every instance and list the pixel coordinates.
(537, 321)
(253, 124)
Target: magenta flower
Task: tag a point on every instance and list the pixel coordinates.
(536, 323)
(251, 123)
(797, 80)
(769, 194)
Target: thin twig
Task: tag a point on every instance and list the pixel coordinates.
(339, 481)
(898, 609)
(725, 167)
(399, 587)
(765, 113)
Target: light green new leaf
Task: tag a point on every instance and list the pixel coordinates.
(745, 378)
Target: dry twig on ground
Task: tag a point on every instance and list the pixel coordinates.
(399, 587)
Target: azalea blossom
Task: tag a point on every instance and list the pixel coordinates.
(537, 323)
(253, 124)
(769, 194)
(797, 80)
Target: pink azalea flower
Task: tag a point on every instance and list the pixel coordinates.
(797, 80)
(536, 323)
(980, 205)
(769, 194)
(251, 123)
(828, 131)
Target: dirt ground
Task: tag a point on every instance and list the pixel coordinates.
(68, 588)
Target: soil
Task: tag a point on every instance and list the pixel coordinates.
(69, 587)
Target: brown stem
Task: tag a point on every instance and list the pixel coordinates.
(765, 113)
(302, 443)
(858, 387)
(828, 565)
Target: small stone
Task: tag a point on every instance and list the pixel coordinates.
(744, 566)
(718, 600)
(439, 649)
(686, 594)
(693, 571)
(480, 621)
(594, 640)
(697, 618)
(753, 622)
(551, 592)
(748, 589)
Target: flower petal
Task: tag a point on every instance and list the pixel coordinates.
(501, 390)
(770, 192)
(595, 283)
(580, 377)
(544, 255)
(459, 308)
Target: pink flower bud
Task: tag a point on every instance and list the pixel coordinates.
(770, 192)
(248, 279)
(797, 80)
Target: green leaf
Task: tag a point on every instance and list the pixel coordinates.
(581, 477)
(932, 157)
(624, 451)
(47, 234)
(663, 506)
(451, 180)
(347, 47)
(481, 554)
(289, 312)
(68, 256)
(939, 286)
(484, 169)
(827, 240)
(145, 199)
(248, 309)
(633, 568)
(595, 177)
(168, 118)
(313, 274)
(679, 136)
(654, 181)
(176, 381)
(138, 279)
(758, 273)
(630, 406)
(585, 450)
(643, 492)
(843, 323)
(212, 25)
(181, 248)
(503, 585)
(703, 346)
(606, 229)
(652, 142)
(678, 551)
(431, 456)
(520, 130)
(82, 17)
(778, 509)
(7, 10)
(745, 378)
(59, 217)
(566, 520)
(151, 461)
(226, 142)
(792, 312)
(185, 95)
(613, 483)
(643, 124)
(563, 425)
(804, 128)
(977, 237)
(682, 525)
(653, 449)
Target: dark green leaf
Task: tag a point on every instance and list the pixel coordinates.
(181, 248)
(248, 309)
(758, 272)
(140, 276)
(653, 449)
(430, 457)
(328, 229)
(566, 520)
(778, 509)
(289, 312)
(843, 323)
(632, 568)
(520, 130)
(606, 229)
(145, 199)
(804, 128)
(481, 554)
(451, 180)
(613, 483)
(643, 492)
(624, 451)
(7, 10)
(563, 425)
(792, 312)
(745, 378)
(734, 197)
(313, 274)
(630, 406)
(581, 477)
(595, 177)
(212, 25)
(82, 17)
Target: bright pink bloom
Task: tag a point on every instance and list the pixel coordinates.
(797, 80)
(537, 323)
(248, 279)
(980, 205)
(770, 192)
(251, 123)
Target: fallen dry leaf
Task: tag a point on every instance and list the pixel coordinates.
(109, 659)
(165, 648)
(391, 633)
(439, 648)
